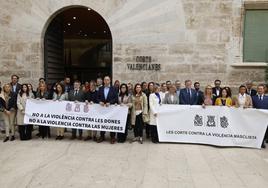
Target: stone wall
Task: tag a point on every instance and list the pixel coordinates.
(196, 39)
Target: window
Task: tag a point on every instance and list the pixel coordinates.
(256, 36)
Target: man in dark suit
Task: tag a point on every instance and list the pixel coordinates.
(76, 95)
(260, 101)
(15, 86)
(216, 90)
(188, 95)
(199, 93)
(107, 95)
(250, 91)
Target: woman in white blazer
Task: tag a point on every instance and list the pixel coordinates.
(154, 103)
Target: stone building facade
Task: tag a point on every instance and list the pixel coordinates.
(190, 39)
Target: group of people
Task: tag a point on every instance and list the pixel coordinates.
(142, 99)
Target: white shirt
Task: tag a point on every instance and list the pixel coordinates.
(241, 100)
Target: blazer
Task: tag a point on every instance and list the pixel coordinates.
(126, 100)
(252, 92)
(154, 105)
(112, 96)
(260, 104)
(214, 91)
(200, 97)
(18, 87)
(144, 107)
(44, 96)
(184, 97)
(92, 96)
(21, 104)
(167, 99)
(79, 97)
(248, 102)
(12, 102)
(228, 102)
(63, 97)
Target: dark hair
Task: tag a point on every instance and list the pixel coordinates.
(120, 92)
(42, 79)
(168, 81)
(21, 90)
(261, 85)
(217, 81)
(196, 83)
(77, 81)
(62, 87)
(134, 91)
(242, 86)
(16, 76)
(143, 84)
(227, 91)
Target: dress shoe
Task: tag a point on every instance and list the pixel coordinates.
(263, 145)
(80, 138)
(100, 140)
(58, 137)
(6, 139)
(112, 140)
(12, 138)
(73, 137)
(95, 138)
(88, 138)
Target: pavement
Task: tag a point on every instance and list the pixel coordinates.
(76, 163)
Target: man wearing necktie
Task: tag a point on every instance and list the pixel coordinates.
(77, 95)
(107, 95)
(188, 95)
(260, 101)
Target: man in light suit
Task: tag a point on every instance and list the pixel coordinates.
(188, 95)
(77, 95)
(260, 101)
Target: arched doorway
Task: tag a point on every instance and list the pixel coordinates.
(78, 44)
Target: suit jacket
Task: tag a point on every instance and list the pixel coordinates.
(200, 97)
(214, 91)
(79, 97)
(260, 104)
(18, 87)
(248, 102)
(252, 92)
(185, 99)
(12, 102)
(112, 96)
(154, 105)
(167, 99)
(92, 96)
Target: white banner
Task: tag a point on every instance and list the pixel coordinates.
(214, 125)
(76, 115)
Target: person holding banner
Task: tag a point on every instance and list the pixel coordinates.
(243, 100)
(25, 131)
(154, 102)
(43, 94)
(188, 95)
(107, 95)
(260, 101)
(76, 95)
(8, 105)
(139, 113)
(124, 99)
(224, 99)
(60, 95)
(91, 97)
